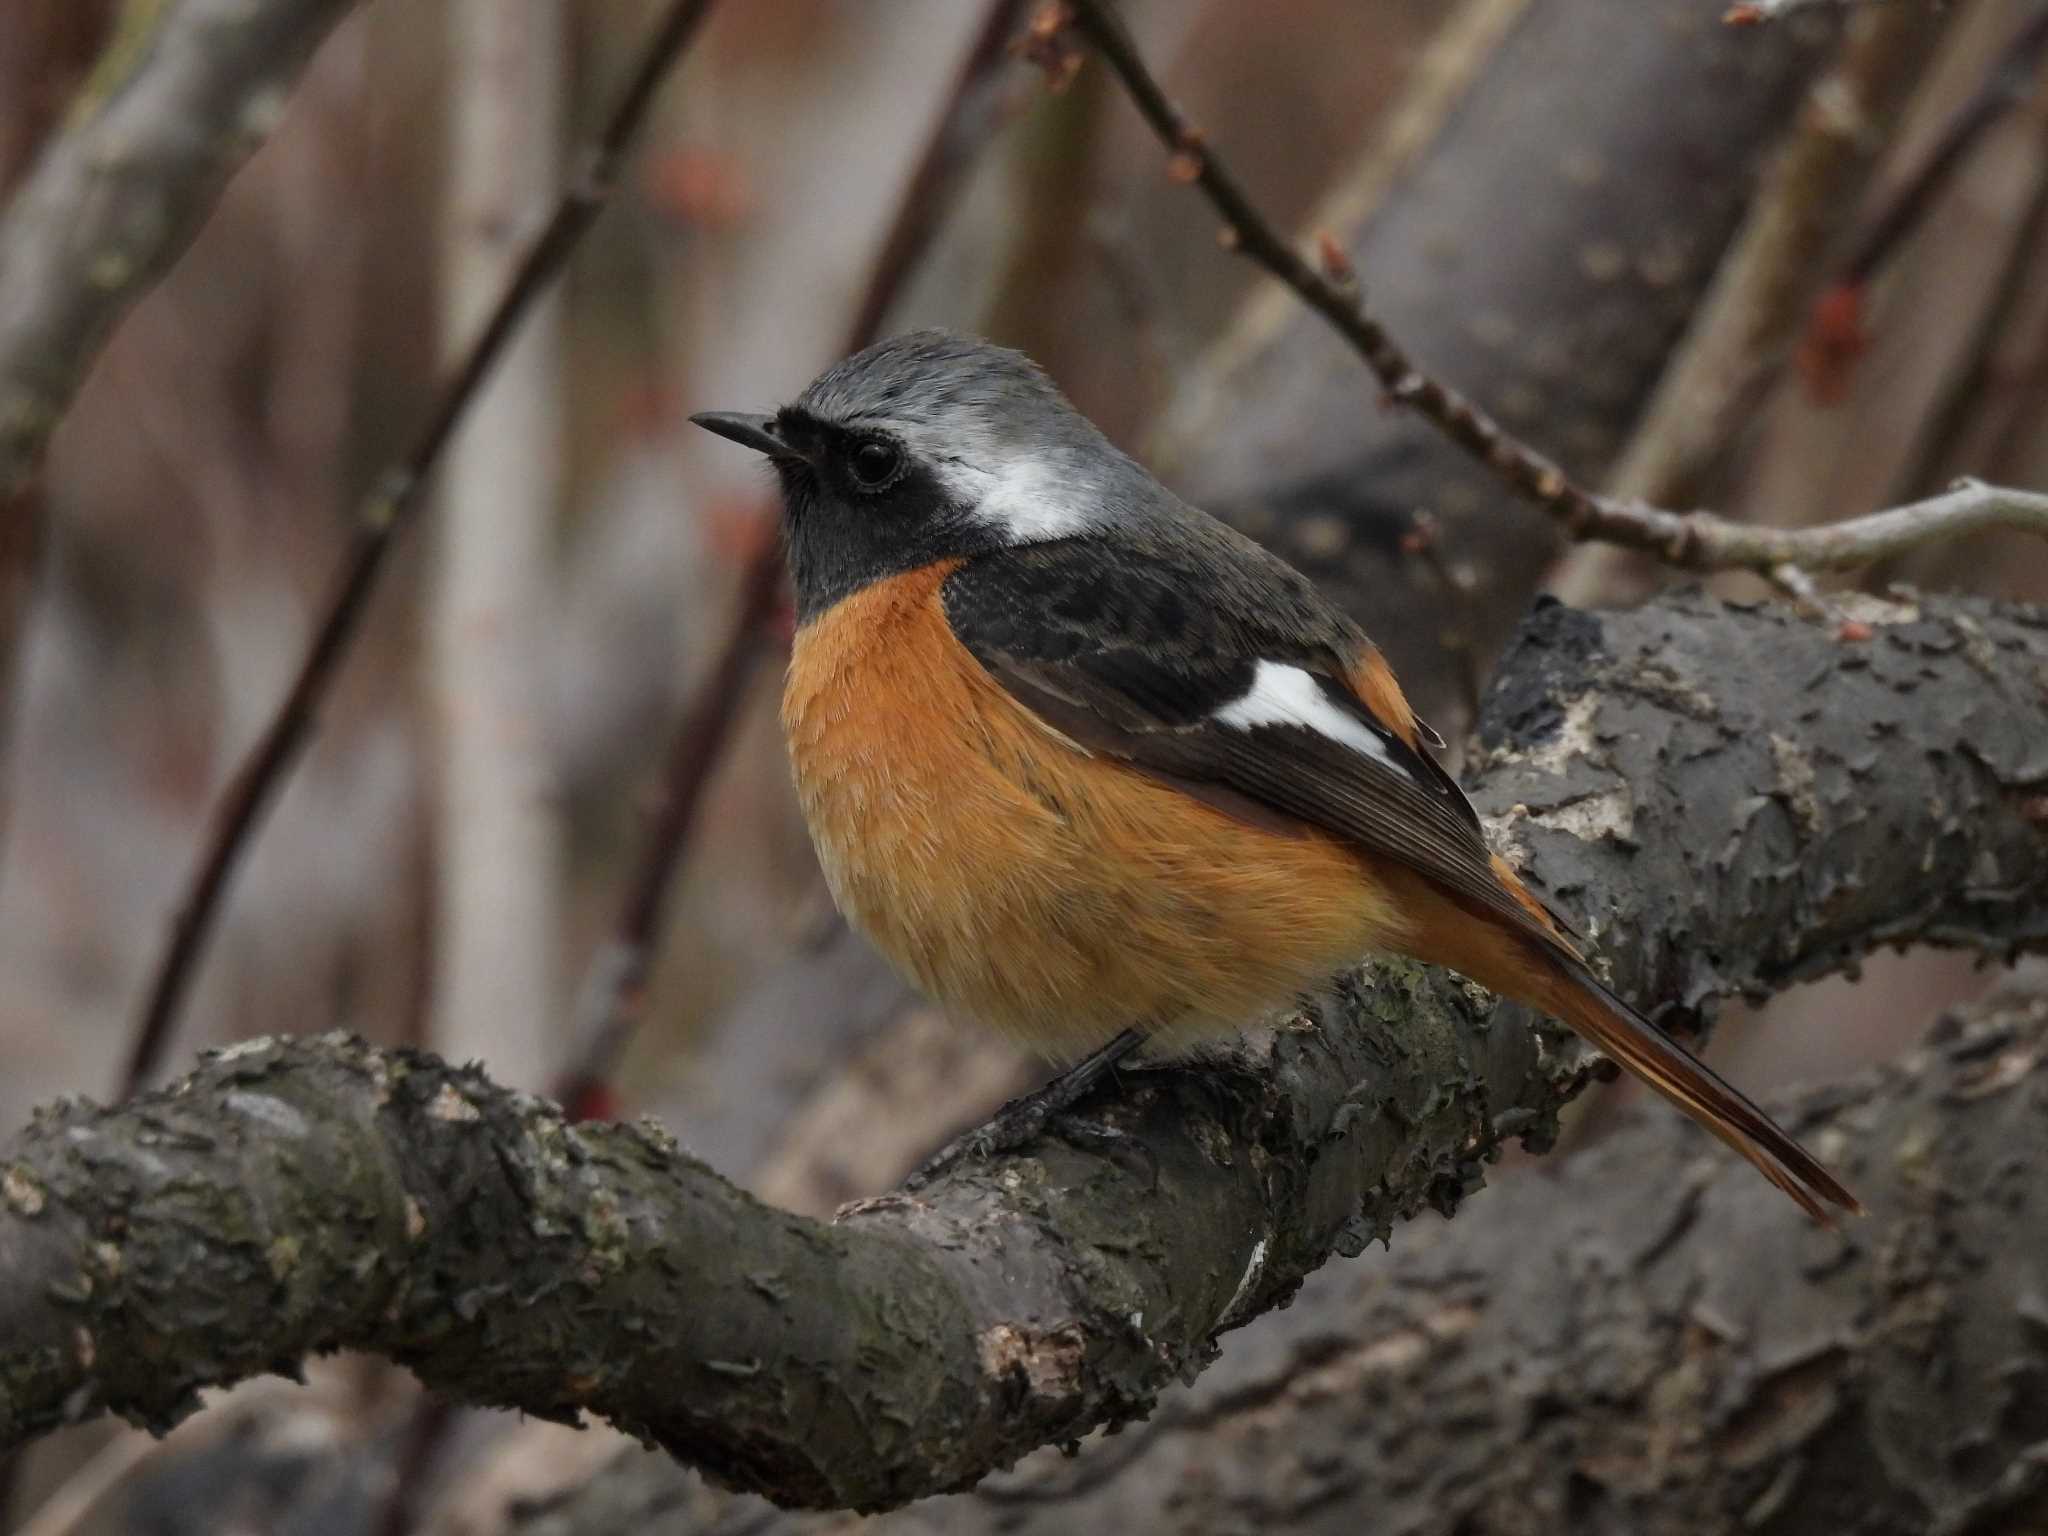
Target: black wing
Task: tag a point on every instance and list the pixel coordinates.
(1216, 667)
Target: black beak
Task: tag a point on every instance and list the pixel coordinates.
(755, 432)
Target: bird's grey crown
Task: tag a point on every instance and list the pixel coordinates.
(938, 378)
(1000, 462)
(994, 429)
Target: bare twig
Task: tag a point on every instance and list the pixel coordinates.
(971, 116)
(1745, 326)
(386, 514)
(1835, 333)
(2010, 82)
(608, 1004)
(1700, 541)
(1335, 299)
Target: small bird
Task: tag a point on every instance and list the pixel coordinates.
(1096, 770)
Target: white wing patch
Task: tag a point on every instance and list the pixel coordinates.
(1284, 695)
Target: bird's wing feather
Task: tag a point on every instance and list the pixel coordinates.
(1242, 697)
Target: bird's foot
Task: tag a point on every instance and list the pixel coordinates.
(1023, 1120)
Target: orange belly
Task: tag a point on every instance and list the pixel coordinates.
(1055, 895)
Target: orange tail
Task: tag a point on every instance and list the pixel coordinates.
(1582, 1001)
(1533, 961)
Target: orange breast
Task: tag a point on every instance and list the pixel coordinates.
(1055, 895)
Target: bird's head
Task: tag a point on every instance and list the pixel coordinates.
(929, 446)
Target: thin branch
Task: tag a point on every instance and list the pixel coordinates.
(498, 829)
(1700, 541)
(973, 112)
(2010, 83)
(1335, 298)
(1835, 332)
(387, 513)
(1744, 328)
(608, 1009)
(303, 1194)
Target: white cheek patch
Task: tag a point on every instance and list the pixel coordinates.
(1284, 695)
(1027, 499)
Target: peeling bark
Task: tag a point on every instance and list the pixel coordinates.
(292, 1196)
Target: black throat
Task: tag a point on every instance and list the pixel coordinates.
(840, 540)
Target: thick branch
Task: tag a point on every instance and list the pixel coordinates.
(1646, 1343)
(185, 94)
(1735, 796)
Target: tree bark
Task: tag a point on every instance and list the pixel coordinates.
(1645, 1343)
(1737, 797)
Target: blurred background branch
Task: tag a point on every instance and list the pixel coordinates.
(181, 98)
(385, 515)
(497, 928)
(177, 102)
(611, 998)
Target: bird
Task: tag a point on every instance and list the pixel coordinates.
(1098, 771)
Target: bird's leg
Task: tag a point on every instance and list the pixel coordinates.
(1025, 1119)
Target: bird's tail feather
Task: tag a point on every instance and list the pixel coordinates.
(1581, 1000)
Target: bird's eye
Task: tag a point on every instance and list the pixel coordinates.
(875, 464)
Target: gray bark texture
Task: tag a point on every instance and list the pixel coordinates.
(1737, 797)
(1644, 1345)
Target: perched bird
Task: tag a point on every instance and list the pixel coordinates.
(1096, 770)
